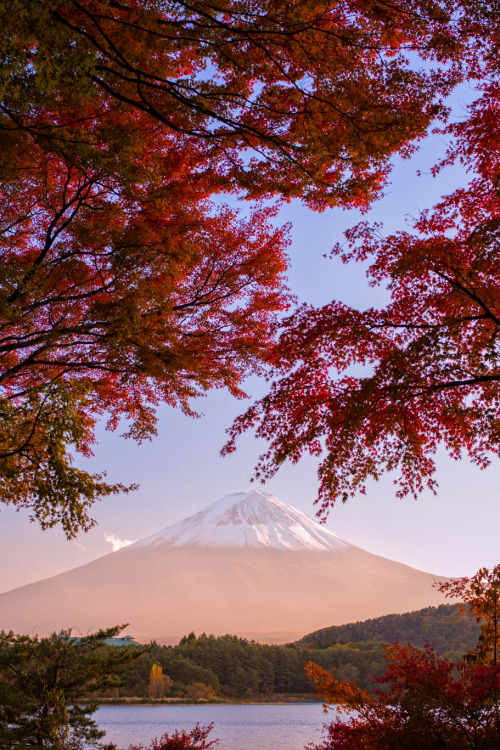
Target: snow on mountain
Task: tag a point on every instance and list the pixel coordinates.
(252, 519)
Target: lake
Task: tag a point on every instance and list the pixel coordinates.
(263, 727)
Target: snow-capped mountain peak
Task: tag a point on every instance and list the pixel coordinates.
(253, 519)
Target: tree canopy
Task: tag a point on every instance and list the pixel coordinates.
(124, 282)
(379, 390)
(305, 99)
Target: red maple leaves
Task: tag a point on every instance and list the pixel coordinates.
(123, 284)
(379, 390)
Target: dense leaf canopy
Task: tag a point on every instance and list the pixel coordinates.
(124, 282)
(379, 390)
(301, 98)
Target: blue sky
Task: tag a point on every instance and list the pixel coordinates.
(181, 471)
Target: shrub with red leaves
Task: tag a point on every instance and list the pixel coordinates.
(196, 739)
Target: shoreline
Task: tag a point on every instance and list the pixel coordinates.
(278, 701)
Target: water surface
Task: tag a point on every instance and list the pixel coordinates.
(263, 727)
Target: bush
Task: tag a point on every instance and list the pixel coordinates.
(196, 739)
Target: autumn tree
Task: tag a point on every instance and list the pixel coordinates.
(199, 691)
(45, 684)
(480, 595)
(120, 289)
(158, 682)
(425, 701)
(380, 390)
(124, 284)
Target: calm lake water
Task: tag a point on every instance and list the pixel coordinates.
(286, 727)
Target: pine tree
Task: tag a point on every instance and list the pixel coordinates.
(44, 688)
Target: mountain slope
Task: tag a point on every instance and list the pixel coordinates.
(250, 566)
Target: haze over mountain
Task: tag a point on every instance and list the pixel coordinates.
(247, 564)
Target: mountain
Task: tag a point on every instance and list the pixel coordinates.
(248, 564)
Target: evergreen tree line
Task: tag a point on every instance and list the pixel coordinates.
(234, 667)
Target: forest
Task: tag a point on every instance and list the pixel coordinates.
(208, 666)
(231, 667)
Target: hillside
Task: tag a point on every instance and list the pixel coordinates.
(444, 627)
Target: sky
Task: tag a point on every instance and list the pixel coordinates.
(181, 470)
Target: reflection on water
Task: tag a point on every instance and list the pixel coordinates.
(267, 727)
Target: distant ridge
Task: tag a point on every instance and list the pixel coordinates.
(247, 564)
(445, 628)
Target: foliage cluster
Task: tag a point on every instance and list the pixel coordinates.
(426, 700)
(159, 684)
(196, 739)
(481, 596)
(381, 389)
(424, 704)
